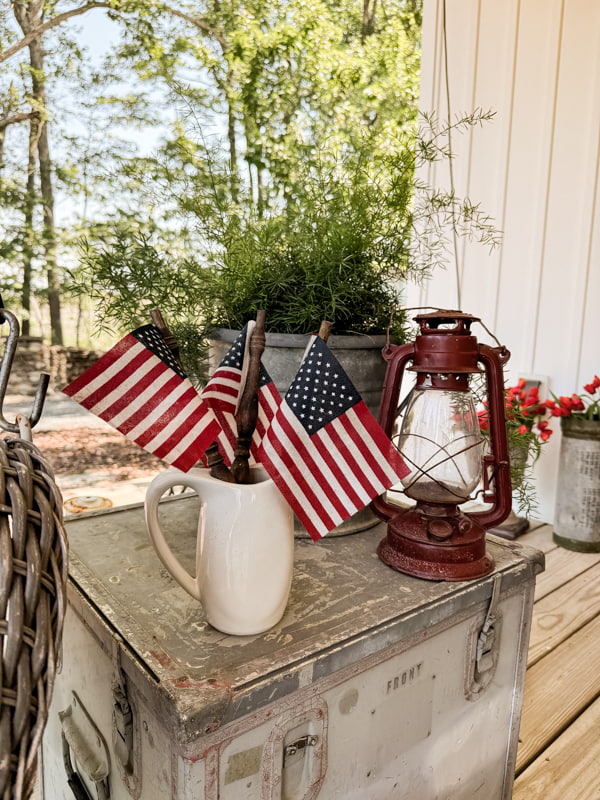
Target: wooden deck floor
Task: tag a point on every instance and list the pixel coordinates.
(559, 742)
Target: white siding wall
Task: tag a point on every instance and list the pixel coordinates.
(536, 170)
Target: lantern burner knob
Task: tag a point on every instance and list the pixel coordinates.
(440, 529)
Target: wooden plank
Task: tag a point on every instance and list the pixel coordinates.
(539, 536)
(568, 770)
(561, 613)
(557, 689)
(561, 567)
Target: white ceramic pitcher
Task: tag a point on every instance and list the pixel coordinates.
(244, 548)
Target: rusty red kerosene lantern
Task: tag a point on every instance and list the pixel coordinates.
(441, 442)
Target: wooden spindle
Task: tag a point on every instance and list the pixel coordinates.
(246, 415)
(325, 330)
(216, 464)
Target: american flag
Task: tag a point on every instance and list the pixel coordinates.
(324, 449)
(140, 389)
(223, 391)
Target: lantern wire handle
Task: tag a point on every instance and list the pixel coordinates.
(437, 308)
(492, 335)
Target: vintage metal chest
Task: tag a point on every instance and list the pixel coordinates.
(374, 685)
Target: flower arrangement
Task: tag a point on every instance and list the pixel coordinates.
(527, 430)
(585, 405)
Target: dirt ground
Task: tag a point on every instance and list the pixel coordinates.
(78, 451)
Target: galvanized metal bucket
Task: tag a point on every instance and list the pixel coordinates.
(577, 518)
(360, 356)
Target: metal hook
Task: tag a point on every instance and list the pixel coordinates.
(5, 367)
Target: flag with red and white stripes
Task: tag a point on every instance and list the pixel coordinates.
(324, 449)
(223, 390)
(140, 389)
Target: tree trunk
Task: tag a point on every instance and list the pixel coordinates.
(28, 232)
(369, 18)
(233, 166)
(29, 16)
(47, 191)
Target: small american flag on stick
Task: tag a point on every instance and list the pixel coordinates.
(140, 389)
(324, 449)
(223, 390)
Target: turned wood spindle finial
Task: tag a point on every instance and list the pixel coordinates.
(325, 330)
(246, 415)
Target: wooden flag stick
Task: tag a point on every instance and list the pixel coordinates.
(171, 342)
(325, 330)
(214, 459)
(246, 415)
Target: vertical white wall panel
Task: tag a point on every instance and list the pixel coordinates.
(571, 192)
(536, 170)
(489, 149)
(525, 196)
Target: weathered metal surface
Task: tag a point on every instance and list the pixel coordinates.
(397, 687)
(82, 503)
(340, 590)
(577, 518)
(360, 356)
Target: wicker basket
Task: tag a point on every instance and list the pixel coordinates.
(33, 574)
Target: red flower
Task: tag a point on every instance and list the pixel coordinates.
(590, 388)
(577, 403)
(483, 420)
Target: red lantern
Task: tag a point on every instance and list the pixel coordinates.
(441, 442)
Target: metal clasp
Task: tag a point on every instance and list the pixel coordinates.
(483, 647)
(5, 367)
(305, 741)
(122, 717)
(484, 657)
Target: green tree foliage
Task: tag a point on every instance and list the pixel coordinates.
(259, 98)
(277, 176)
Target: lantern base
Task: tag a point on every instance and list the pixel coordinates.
(450, 548)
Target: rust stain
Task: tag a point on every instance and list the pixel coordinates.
(163, 659)
(77, 505)
(211, 683)
(212, 727)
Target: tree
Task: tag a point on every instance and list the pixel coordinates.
(259, 88)
(35, 18)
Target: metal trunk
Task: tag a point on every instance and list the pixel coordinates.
(577, 519)
(374, 684)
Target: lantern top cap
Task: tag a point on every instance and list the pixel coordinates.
(443, 319)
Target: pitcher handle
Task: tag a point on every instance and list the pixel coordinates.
(158, 486)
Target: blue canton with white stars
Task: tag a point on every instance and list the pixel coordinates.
(151, 338)
(321, 390)
(235, 357)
